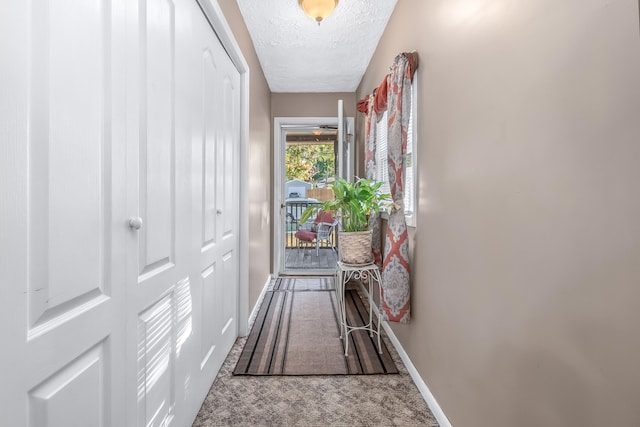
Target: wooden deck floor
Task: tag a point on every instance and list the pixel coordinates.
(306, 258)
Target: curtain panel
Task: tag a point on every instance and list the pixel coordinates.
(370, 173)
(394, 96)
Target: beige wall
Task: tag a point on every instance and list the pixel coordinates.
(259, 169)
(263, 107)
(526, 259)
(312, 104)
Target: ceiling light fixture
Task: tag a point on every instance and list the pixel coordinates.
(318, 9)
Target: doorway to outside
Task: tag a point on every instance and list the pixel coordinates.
(310, 165)
(308, 159)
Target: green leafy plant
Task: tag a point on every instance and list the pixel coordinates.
(301, 160)
(353, 203)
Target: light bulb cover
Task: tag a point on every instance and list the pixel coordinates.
(318, 9)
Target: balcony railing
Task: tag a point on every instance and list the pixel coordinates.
(294, 210)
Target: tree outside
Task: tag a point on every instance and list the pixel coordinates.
(311, 163)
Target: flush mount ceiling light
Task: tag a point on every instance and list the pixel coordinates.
(318, 9)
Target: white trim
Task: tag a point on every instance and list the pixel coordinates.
(216, 18)
(243, 231)
(428, 397)
(219, 24)
(279, 126)
(254, 311)
(412, 219)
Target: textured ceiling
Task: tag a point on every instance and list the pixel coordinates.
(297, 55)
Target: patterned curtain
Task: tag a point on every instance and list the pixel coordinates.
(370, 173)
(395, 267)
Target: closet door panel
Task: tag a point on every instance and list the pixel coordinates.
(228, 148)
(62, 238)
(157, 255)
(157, 138)
(215, 159)
(209, 130)
(69, 169)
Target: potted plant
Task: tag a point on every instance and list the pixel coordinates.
(353, 205)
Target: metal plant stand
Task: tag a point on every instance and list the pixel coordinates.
(368, 273)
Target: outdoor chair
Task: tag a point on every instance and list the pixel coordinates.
(321, 230)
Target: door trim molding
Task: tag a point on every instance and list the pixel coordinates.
(280, 125)
(216, 18)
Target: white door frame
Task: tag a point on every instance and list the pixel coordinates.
(216, 18)
(280, 126)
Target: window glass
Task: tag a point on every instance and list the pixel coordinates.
(409, 187)
(382, 167)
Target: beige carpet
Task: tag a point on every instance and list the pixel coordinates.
(327, 400)
(297, 332)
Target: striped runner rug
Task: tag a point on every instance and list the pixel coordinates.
(297, 332)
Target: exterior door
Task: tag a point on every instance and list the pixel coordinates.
(345, 152)
(62, 214)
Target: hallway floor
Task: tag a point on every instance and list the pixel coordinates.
(345, 400)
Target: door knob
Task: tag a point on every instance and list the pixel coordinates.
(135, 223)
(219, 211)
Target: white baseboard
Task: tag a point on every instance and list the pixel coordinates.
(428, 397)
(254, 311)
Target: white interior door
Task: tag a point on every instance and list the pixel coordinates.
(183, 299)
(119, 212)
(216, 131)
(62, 205)
(158, 250)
